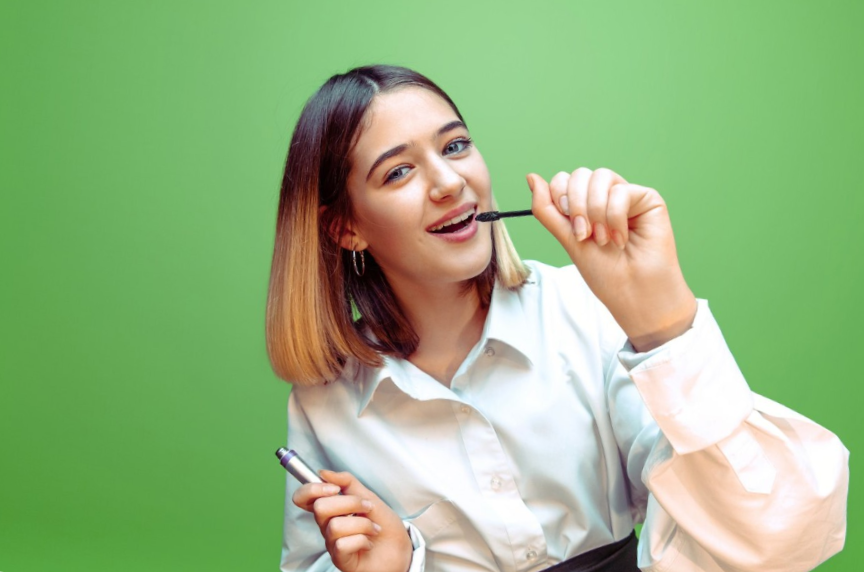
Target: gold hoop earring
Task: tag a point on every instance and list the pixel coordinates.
(362, 270)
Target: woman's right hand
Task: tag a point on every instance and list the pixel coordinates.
(361, 533)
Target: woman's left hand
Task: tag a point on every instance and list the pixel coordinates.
(620, 238)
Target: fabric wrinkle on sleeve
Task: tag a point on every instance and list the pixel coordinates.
(691, 385)
(302, 543)
(729, 506)
(726, 462)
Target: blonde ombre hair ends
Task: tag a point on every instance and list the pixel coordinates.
(314, 293)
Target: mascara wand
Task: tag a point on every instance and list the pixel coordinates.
(492, 216)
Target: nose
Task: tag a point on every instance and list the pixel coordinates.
(445, 180)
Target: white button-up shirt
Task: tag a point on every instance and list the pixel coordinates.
(555, 438)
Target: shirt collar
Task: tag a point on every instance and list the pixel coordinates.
(370, 382)
(507, 322)
(396, 374)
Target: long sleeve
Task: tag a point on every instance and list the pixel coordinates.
(302, 544)
(726, 480)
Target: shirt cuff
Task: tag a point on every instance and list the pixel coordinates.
(418, 558)
(691, 385)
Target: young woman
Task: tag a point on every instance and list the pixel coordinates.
(478, 413)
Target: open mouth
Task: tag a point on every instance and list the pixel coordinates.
(455, 224)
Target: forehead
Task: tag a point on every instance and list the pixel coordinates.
(407, 115)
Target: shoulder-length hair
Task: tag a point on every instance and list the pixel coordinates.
(314, 293)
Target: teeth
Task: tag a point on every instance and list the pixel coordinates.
(464, 216)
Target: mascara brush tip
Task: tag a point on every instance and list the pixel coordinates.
(487, 216)
(492, 216)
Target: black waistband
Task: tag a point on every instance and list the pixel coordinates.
(616, 557)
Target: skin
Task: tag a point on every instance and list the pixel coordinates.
(617, 234)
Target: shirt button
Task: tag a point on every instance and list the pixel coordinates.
(495, 483)
(465, 409)
(489, 351)
(531, 554)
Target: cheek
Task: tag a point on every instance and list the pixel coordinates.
(479, 174)
(388, 225)
(389, 234)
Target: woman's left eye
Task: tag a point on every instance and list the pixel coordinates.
(457, 146)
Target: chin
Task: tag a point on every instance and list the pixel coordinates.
(477, 268)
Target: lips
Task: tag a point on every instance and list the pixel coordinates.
(454, 217)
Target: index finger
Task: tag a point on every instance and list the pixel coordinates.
(305, 496)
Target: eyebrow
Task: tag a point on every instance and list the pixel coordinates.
(400, 148)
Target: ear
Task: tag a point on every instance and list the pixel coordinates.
(345, 234)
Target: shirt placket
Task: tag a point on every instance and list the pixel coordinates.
(519, 532)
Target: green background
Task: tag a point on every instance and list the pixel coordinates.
(142, 148)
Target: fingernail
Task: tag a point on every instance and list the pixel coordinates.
(331, 489)
(564, 203)
(618, 239)
(377, 527)
(600, 234)
(367, 506)
(580, 228)
(530, 182)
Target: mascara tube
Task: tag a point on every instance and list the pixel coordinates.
(295, 465)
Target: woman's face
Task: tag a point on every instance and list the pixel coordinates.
(415, 184)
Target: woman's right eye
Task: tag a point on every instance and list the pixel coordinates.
(396, 174)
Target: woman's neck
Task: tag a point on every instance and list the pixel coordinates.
(448, 322)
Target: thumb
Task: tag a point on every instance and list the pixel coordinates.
(546, 211)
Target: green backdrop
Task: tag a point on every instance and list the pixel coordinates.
(142, 147)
